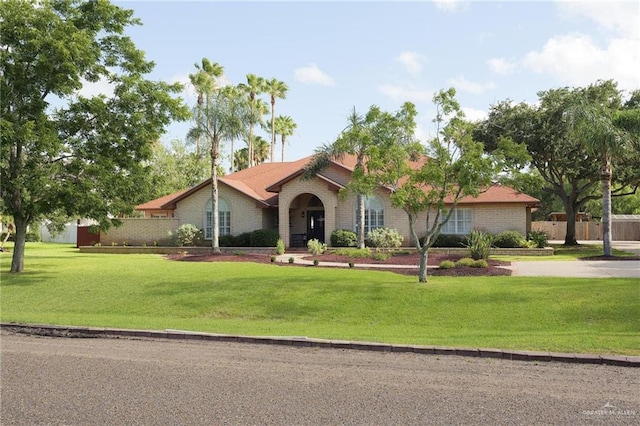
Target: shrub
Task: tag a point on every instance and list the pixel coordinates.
(351, 264)
(242, 240)
(539, 238)
(480, 263)
(378, 255)
(263, 238)
(480, 244)
(272, 259)
(465, 261)
(315, 262)
(509, 239)
(447, 264)
(188, 235)
(353, 252)
(447, 240)
(227, 241)
(344, 238)
(315, 247)
(384, 237)
(291, 260)
(280, 247)
(239, 252)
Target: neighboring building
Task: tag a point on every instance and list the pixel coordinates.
(274, 196)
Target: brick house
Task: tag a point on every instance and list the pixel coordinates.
(274, 196)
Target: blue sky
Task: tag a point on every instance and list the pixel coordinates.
(338, 55)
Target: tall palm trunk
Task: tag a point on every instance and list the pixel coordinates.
(283, 142)
(273, 129)
(606, 205)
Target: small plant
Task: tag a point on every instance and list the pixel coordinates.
(124, 244)
(384, 237)
(447, 264)
(272, 259)
(465, 261)
(509, 239)
(480, 244)
(239, 252)
(353, 252)
(155, 243)
(144, 244)
(381, 256)
(291, 260)
(315, 262)
(480, 263)
(351, 264)
(344, 238)
(539, 238)
(315, 247)
(113, 244)
(97, 245)
(280, 247)
(188, 235)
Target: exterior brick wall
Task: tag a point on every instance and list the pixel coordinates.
(496, 218)
(138, 231)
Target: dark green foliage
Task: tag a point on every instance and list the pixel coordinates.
(480, 244)
(540, 238)
(480, 263)
(316, 262)
(242, 240)
(448, 240)
(263, 238)
(447, 264)
(227, 241)
(509, 239)
(344, 238)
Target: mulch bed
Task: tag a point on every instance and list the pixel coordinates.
(413, 259)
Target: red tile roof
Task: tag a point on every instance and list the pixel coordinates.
(263, 181)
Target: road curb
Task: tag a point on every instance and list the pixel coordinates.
(300, 341)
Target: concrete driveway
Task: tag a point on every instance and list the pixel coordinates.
(584, 268)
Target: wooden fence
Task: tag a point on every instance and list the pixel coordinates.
(620, 230)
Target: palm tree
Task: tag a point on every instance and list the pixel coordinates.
(607, 130)
(209, 126)
(253, 87)
(284, 126)
(236, 119)
(275, 89)
(260, 154)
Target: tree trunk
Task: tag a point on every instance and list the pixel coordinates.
(231, 168)
(215, 232)
(17, 261)
(360, 220)
(570, 237)
(283, 141)
(273, 129)
(424, 257)
(606, 208)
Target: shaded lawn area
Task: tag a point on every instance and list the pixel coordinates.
(62, 286)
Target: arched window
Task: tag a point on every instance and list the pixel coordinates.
(224, 219)
(373, 213)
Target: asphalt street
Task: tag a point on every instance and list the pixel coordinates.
(149, 382)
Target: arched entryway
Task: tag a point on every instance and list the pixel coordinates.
(306, 220)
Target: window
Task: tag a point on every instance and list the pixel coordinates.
(373, 213)
(224, 219)
(459, 223)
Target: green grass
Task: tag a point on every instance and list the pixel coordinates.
(565, 253)
(62, 286)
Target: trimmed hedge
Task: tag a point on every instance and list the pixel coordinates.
(344, 238)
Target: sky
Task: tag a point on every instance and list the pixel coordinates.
(335, 56)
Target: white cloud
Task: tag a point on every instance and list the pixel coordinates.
(473, 114)
(576, 59)
(501, 66)
(403, 94)
(464, 85)
(412, 61)
(620, 17)
(100, 87)
(449, 5)
(313, 75)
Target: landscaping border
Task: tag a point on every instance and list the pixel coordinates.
(299, 341)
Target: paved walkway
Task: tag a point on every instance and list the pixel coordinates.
(536, 268)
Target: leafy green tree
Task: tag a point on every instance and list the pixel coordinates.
(275, 89)
(63, 153)
(606, 130)
(284, 126)
(175, 168)
(362, 138)
(237, 118)
(454, 167)
(569, 170)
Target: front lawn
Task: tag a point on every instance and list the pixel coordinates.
(62, 286)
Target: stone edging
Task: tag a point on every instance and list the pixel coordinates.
(515, 355)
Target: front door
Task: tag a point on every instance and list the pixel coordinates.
(315, 225)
